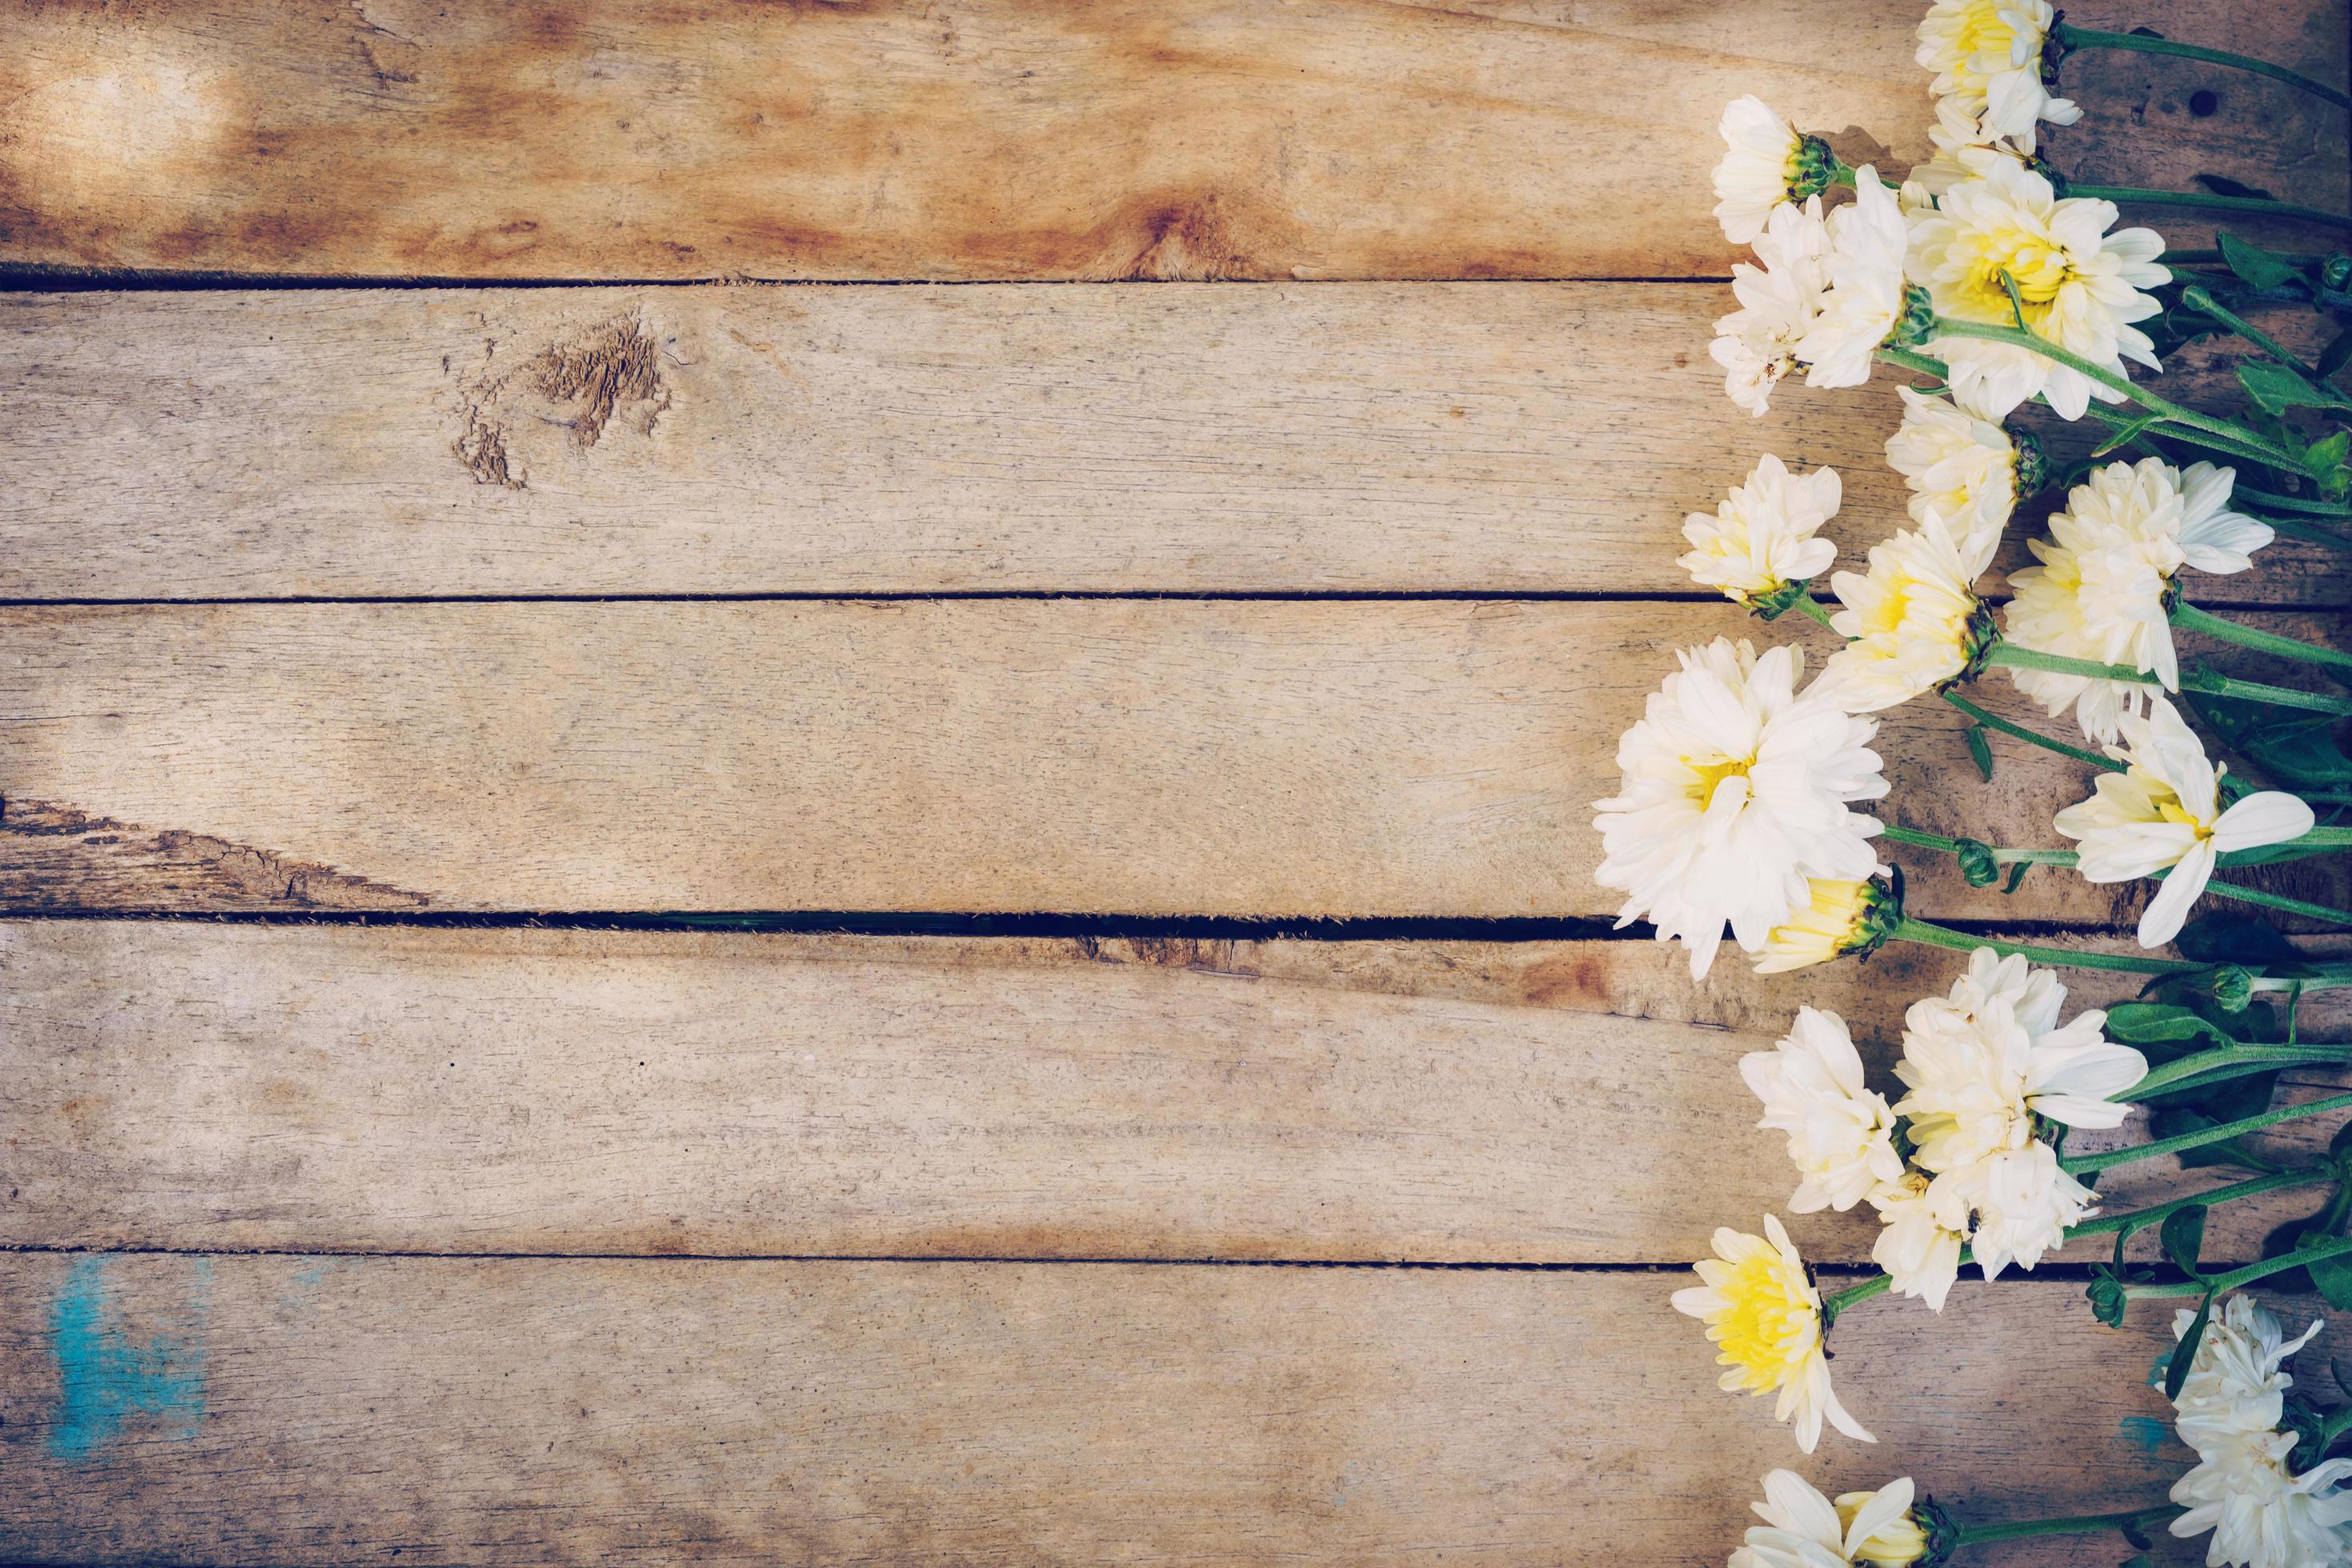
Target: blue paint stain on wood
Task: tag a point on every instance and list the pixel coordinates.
(104, 1376)
(2145, 1432)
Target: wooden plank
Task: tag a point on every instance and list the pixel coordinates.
(372, 1089)
(1145, 757)
(1016, 139)
(351, 1411)
(1332, 438)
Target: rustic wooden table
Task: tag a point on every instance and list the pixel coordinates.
(1168, 1090)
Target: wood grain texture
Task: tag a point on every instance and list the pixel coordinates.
(1147, 757)
(1327, 438)
(369, 1089)
(1166, 757)
(353, 1411)
(1004, 139)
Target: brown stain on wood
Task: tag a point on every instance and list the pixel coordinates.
(1189, 139)
(54, 856)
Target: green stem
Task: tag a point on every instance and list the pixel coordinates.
(2010, 656)
(2073, 37)
(2073, 1524)
(2277, 503)
(2190, 619)
(2225, 1062)
(2196, 298)
(2173, 413)
(1895, 834)
(2311, 532)
(1932, 935)
(2107, 1224)
(2280, 903)
(2238, 1278)
(1994, 722)
(2226, 1131)
(2253, 206)
(1812, 608)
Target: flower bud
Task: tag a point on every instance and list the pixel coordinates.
(2032, 463)
(1811, 170)
(2336, 271)
(2106, 1294)
(2234, 988)
(1976, 863)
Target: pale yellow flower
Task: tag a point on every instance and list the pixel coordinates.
(1913, 622)
(1765, 534)
(1962, 467)
(2164, 813)
(1802, 1528)
(2077, 285)
(1834, 919)
(1987, 56)
(1764, 1317)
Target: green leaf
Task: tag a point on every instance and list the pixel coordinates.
(2147, 1023)
(2336, 1369)
(2127, 434)
(2334, 357)
(1980, 749)
(2176, 1372)
(2333, 1278)
(2341, 1144)
(2261, 269)
(2016, 874)
(2276, 389)
(2183, 1237)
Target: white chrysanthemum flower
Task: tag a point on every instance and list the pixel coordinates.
(1964, 150)
(1983, 1061)
(2235, 1386)
(1912, 622)
(2165, 810)
(2022, 1201)
(2077, 285)
(2262, 1514)
(1757, 344)
(1765, 1319)
(1987, 56)
(1759, 169)
(1919, 1245)
(1734, 795)
(1960, 467)
(1834, 919)
(2099, 592)
(1841, 1132)
(1802, 1528)
(1764, 535)
(1864, 302)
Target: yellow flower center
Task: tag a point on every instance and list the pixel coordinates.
(2039, 269)
(1704, 777)
(1896, 1545)
(1771, 1325)
(1982, 28)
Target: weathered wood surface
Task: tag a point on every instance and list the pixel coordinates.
(1007, 138)
(1173, 756)
(362, 1089)
(1321, 439)
(236, 1410)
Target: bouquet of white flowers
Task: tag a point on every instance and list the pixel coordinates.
(1751, 799)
